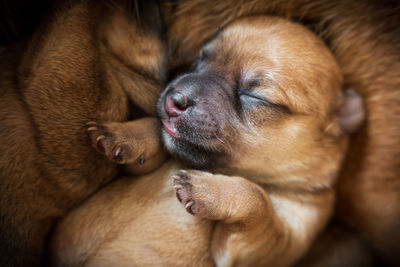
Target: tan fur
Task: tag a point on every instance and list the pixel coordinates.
(123, 225)
(50, 89)
(364, 37)
(271, 191)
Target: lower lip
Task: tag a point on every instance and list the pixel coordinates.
(170, 129)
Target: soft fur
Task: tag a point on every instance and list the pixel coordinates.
(48, 166)
(364, 37)
(78, 67)
(263, 109)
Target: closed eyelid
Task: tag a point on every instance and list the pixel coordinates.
(267, 90)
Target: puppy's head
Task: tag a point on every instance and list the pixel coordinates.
(264, 98)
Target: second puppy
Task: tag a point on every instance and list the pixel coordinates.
(264, 113)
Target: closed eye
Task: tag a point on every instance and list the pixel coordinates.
(248, 95)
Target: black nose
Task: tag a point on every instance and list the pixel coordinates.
(176, 103)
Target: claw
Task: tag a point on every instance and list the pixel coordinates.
(99, 138)
(188, 207)
(92, 128)
(183, 172)
(189, 204)
(99, 146)
(117, 154)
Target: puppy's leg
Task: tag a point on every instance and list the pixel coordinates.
(254, 229)
(126, 142)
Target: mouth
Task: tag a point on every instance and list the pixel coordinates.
(169, 127)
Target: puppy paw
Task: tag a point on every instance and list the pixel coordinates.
(105, 138)
(193, 191)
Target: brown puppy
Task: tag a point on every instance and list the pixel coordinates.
(76, 68)
(364, 37)
(263, 108)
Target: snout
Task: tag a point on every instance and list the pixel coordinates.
(173, 107)
(196, 113)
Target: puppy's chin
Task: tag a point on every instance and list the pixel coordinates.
(194, 155)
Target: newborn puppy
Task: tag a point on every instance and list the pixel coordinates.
(263, 108)
(264, 113)
(81, 64)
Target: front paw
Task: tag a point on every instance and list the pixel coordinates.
(105, 140)
(192, 190)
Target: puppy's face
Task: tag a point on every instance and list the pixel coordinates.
(259, 101)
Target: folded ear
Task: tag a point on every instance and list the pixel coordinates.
(348, 113)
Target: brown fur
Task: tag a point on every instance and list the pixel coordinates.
(276, 163)
(338, 247)
(63, 78)
(364, 37)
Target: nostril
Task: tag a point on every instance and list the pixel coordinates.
(180, 101)
(176, 103)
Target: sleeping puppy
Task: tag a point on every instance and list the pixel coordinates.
(85, 61)
(264, 113)
(363, 36)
